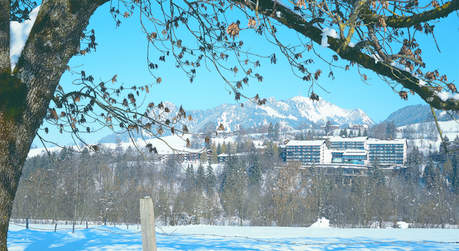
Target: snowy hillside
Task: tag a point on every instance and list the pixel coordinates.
(164, 145)
(413, 114)
(425, 135)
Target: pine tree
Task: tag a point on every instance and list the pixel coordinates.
(219, 149)
(430, 174)
(214, 154)
(230, 148)
(276, 132)
(189, 183)
(204, 158)
(234, 188)
(200, 178)
(254, 170)
(223, 148)
(211, 180)
(270, 131)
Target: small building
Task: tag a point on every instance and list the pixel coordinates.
(224, 157)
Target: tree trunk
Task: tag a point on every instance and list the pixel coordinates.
(26, 91)
(4, 36)
(13, 152)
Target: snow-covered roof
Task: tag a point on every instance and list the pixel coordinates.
(353, 139)
(305, 142)
(233, 154)
(372, 141)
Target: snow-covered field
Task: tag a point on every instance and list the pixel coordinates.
(201, 237)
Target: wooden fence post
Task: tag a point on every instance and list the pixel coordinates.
(147, 219)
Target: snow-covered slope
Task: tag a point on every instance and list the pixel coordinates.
(425, 136)
(164, 145)
(417, 114)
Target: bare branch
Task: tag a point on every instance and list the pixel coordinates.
(397, 21)
(294, 21)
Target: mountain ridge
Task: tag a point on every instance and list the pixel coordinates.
(413, 114)
(296, 112)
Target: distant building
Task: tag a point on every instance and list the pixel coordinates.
(224, 157)
(361, 151)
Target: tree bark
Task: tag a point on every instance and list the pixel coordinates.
(13, 152)
(408, 21)
(26, 93)
(4, 36)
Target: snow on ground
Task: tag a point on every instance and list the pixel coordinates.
(403, 225)
(164, 145)
(449, 129)
(321, 223)
(271, 112)
(201, 237)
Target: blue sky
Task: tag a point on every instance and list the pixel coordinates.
(122, 51)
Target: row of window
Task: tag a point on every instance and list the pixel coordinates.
(347, 143)
(386, 146)
(304, 147)
(303, 150)
(386, 150)
(354, 157)
(386, 155)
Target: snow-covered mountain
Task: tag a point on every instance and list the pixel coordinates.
(294, 113)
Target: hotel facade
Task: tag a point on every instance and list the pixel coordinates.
(360, 151)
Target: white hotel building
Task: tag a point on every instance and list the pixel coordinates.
(361, 151)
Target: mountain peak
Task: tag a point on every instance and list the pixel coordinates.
(295, 112)
(301, 99)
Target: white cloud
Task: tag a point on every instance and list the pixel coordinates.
(19, 32)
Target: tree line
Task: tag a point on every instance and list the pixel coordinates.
(251, 189)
